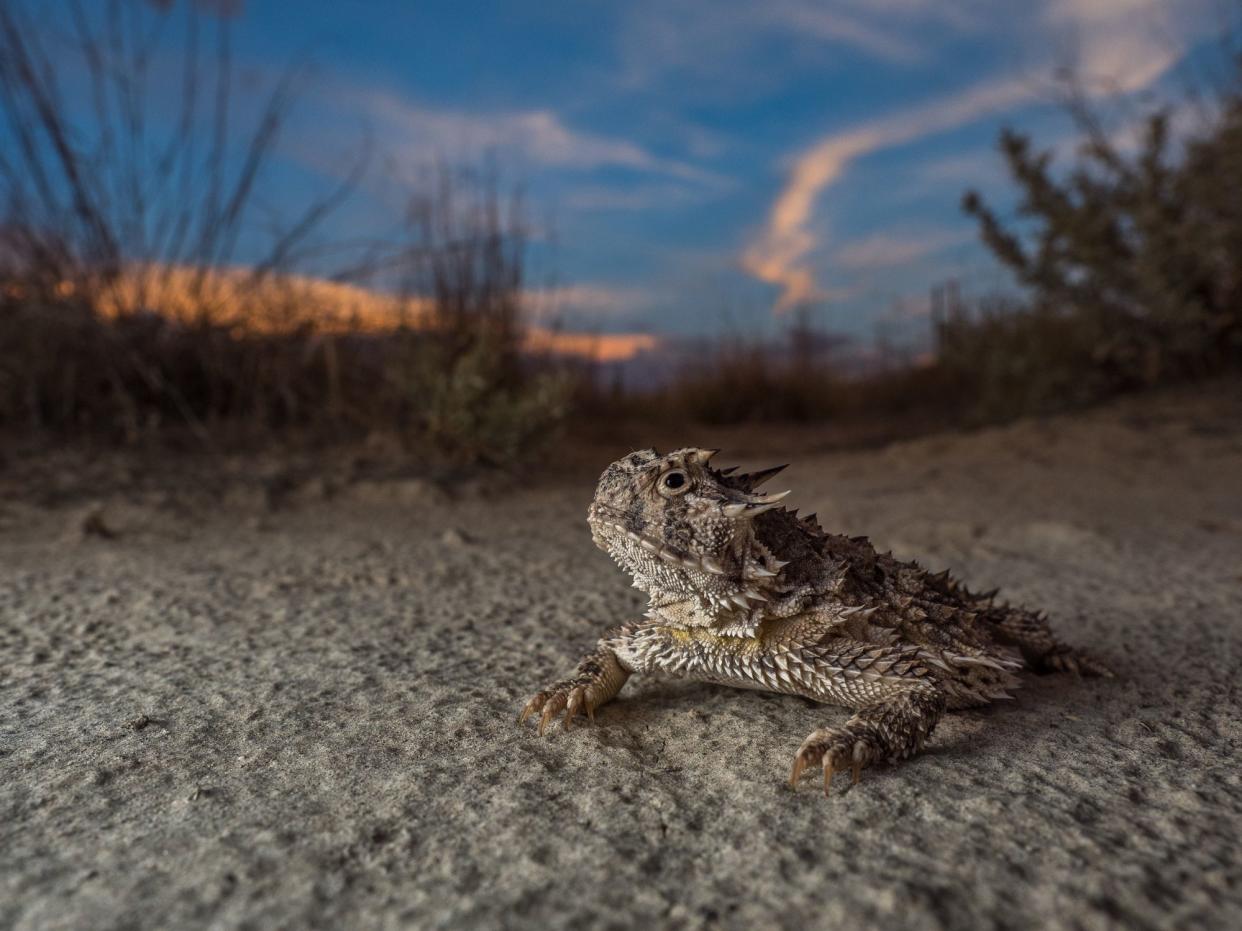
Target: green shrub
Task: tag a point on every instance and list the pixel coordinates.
(478, 404)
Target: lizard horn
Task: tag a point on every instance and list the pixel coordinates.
(753, 505)
(754, 479)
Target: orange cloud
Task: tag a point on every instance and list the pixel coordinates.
(235, 298)
(778, 254)
(597, 347)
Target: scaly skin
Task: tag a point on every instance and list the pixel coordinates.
(744, 593)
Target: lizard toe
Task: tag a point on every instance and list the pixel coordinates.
(574, 697)
(575, 703)
(834, 750)
(554, 705)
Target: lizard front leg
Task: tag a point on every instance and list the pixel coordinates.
(898, 701)
(598, 678)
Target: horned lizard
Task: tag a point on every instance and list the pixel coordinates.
(745, 593)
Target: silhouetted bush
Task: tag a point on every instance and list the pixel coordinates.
(1133, 265)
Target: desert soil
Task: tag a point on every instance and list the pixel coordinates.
(244, 711)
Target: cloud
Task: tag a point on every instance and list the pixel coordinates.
(777, 255)
(597, 347)
(724, 46)
(421, 134)
(585, 300)
(815, 21)
(234, 298)
(1122, 45)
(885, 250)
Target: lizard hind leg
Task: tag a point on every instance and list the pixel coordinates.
(1043, 652)
(891, 728)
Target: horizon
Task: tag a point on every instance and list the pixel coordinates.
(693, 170)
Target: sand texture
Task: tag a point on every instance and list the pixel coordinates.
(243, 713)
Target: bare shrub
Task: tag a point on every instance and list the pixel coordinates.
(123, 313)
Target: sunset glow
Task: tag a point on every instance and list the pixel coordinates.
(597, 347)
(238, 299)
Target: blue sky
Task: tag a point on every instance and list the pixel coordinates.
(706, 165)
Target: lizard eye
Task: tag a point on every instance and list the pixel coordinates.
(674, 482)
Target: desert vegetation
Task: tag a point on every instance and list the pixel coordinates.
(1132, 266)
(1129, 271)
(125, 315)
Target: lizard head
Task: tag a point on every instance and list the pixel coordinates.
(682, 528)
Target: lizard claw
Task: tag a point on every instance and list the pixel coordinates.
(574, 704)
(528, 709)
(799, 765)
(835, 750)
(553, 706)
(572, 699)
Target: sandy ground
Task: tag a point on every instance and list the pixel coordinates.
(244, 713)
